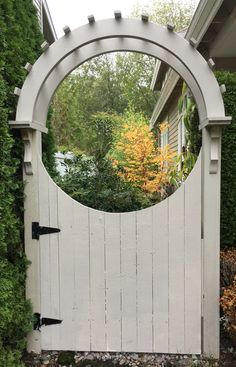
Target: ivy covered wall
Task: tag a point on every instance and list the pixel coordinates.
(20, 40)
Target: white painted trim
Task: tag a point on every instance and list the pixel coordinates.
(168, 88)
(205, 16)
(156, 72)
(47, 11)
(34, 125)
(216, 121)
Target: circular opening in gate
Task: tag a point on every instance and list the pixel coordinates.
(107, 157)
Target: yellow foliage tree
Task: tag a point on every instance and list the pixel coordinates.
(137, 157)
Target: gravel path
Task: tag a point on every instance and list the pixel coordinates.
(93, 359)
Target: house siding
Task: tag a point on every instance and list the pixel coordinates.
(209, 27)
(173, 118)
(45, 21)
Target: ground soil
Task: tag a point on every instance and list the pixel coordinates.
(59, 359)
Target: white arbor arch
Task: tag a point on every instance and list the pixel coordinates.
(187, 243)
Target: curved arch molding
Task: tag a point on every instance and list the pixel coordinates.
(156, 40)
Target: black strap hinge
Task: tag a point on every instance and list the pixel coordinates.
(38, 230)
(40, 321)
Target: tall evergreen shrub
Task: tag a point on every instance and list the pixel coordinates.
(20, 40)
(228, 175)
(49, 149)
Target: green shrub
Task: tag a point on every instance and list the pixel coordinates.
(66, 358)
(20, 40)
(15, 311)
(96, 184)
(49, 149)
(9, 358)
(228, 175)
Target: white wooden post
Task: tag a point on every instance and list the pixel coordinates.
(32, 142)
(211, 149)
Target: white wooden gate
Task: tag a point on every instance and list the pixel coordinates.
(122, 282)
(142, 281)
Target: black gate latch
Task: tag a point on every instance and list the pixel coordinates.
(38, 230)
(40, 321)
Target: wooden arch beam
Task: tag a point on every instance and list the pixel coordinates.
(182, 57)
(91, 50)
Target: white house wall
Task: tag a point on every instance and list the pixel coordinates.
(173, 119)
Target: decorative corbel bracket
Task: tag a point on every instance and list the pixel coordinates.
(27, 128)
(216, 121)
(214, 125)
(33, 125)
(215, 136)
(27, 140)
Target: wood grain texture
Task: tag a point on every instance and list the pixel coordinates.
(54, 262)
(160, 233)
(113, 281)
(193, 267)
(176, 272)
(144, 280)
(45, 257)
(97, 274)
(81, 278)
(129, 282)
(67, 239)
(211, 250)
(32, 250)
(122, 282)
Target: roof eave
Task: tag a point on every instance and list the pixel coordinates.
(49, 18)
(203, 16)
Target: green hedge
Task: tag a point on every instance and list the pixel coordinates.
(20, 40)
(228, 176)
(49, 149)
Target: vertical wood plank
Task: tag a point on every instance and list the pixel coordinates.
(160, 228)
(54, 247)
(128, 280)
(193, 261)
(176, 272)
(67, 239)
(144, 280)
(121, 287)
(54, 263)
(113, 284)
(97, 274)
(45, 255)
(82, 279)
(32, 248)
